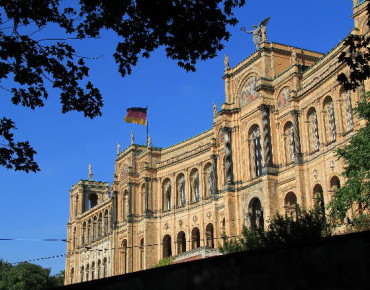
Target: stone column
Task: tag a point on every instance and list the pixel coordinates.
(215, 177)
(129, 201)
(266, 133)
(148, 198)
(229, 179)
(296, 134)
(114, 209)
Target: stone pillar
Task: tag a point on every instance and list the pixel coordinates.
(129, 201)
(215, 177)
(148, 212)
(229, 179)
(114, 209)
(266, 133)
(296, 135)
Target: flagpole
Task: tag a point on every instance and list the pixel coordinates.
(147, 127)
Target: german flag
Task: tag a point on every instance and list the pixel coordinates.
(136, 115)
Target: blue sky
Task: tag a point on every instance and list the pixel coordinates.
(36, 206)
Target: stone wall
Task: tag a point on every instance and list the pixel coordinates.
(341, 262)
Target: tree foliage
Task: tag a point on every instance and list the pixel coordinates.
(356, 154)
(188, 30)
(282, 230)
(25, 276)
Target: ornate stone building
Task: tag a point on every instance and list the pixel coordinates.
(271, 146)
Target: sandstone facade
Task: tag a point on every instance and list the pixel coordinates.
(271, 146)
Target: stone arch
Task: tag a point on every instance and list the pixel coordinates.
(99, 269)
(181, 190)
(93, 271)
(255, 214)
(166, 194)
(195, 238)
(313, 130)
(334, 183)
(194, 185)
(329, 119)
(290, 204)
(288, 138)
(167, 246)
(105, 270)
(181, 242)
(255, 150)
(210, 236)
(87, 272)
(124, 256)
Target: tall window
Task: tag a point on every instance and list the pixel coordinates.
(167, 249)
(181, 242)
(93, 200)
(290, 204)
(256, 151)
(195, 238)
(255, 218)
(313, 129)
(167, 195)
(331, 130)
(142, 257)
(318, 195)
(142, 199)
(124, 257)
(209, 236)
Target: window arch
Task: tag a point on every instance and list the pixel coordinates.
(255, 151)
(181, 191)
(124, 256)
(318, 195)
(142, 254)
(313, 131)
(181, 242)
(289, 142)
(195, 238)
(330, 126)
(210, 236)
(93, 271)
(255, 214)
(195, 186)
(104, 267)
(99, 269)
(334, 183)
(93, 200)
(167, 247)
(290, 204)
(87, 272)
(166, 194)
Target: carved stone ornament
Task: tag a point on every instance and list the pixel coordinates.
(315, 173)
(332, 165)
(209, 214)
(180, 223)
(195, 218)
(166, 226)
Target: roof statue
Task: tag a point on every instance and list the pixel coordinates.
(132, 138)
(118, 148)
(226, 62)
(90, 172)
(259, 32)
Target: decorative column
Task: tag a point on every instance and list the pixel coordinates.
(129, 202)
(266, 132)
(296, 135)
(148, 199)
(215, 178)
(114, 209)
(229, 179)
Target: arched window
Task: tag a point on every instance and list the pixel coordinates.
(290, 204)
(89, 231)
(74, 237)
(82, 273)
(346, 96)
(331, 129)
(334, 183)
(209, 236)
(100, 225)
(181, 242)
(95, 228)
(318, 194)
(167, 195)
(106, 222)
(289, 142)
(142, 254)
(72, 275)
(142, 199)
(255, 151)
(104, 267)
(93, 271)
(195, 238)
(124, 205)
(195, 192)
(76, 206)
(84, 236)
(99, 269)
(87, 272)
(93, 200)
(167, 248)
(255, 218)
(124, 257)
(313, 130)
(181, 195)
(209, 179)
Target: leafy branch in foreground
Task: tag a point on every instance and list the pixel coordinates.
(282, 230)
(188, 30)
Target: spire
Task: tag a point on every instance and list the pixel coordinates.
(90, 176)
